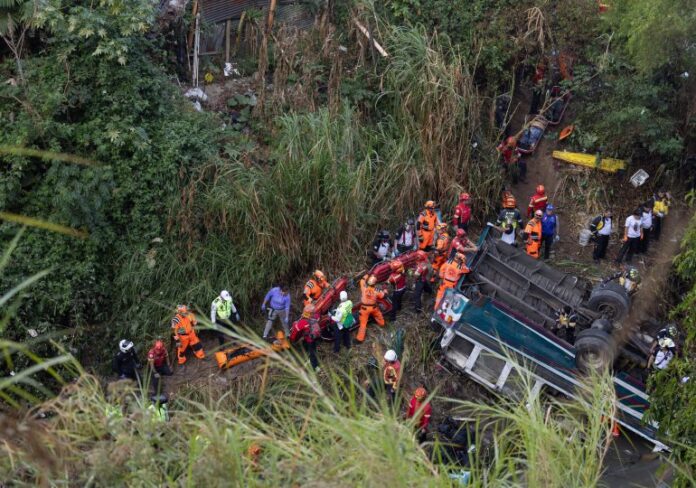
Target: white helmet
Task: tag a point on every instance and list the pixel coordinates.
(343, 296)
(666, 342)
(390, 355)
(225, 295)
(125, 345)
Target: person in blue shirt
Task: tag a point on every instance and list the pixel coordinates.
(276, 305)
(549, 229)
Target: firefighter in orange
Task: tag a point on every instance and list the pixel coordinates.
(442, 246)
(427, 221)
(532, 235)
(450, 273)
(315, 287)
(368, 305)
(185, 334)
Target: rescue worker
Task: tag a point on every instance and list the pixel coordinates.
(512, 159)
(344, 320)
(442, 248)
(633, 233)
(629, 278)
(549, 229)
(310, 331)
(450, 273)
(509, 220)
(391, 374)
(158, 363)
(421, 277)
(421, 410)
(223, 314)
(669, 332)
(462, 212)
(646, 223)
(538, 83)
(314, 288)
(566, 321)
(158, 409)
(461, 244)
(427, 221)
(601, 227)
(405, 238)
(381, 247)
(278, 301)
(397, 279)
(660, 208)
(538, 201)
(184, 334)
(368, 305)
(663, 355)
(532, 235)
(126, 363)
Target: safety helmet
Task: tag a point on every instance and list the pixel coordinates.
(182, 309)
(633, 273)
(125, 345)
(396, 266)
(442, 226)
(343, 296)
(430, 204)
(308, 311)
(159, 344)
(460, 257)
(540, 189)
(666, 342)
(280, 335)
(551, 207)
(372, 280)
(319, 275)
(672, 330)
(509, 201)
(384, 234)
(422, 255)
(511, 141)
(390, 355)
(461, 233)
(420, 393)
(539, 213)
(225, 295)
(464, 197)
(254, 450)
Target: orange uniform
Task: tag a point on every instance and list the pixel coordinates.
(369, 308)
(450, 273)
(313, 290)
(185, 336)
(442, 247)
(427, 220)
(533, 242)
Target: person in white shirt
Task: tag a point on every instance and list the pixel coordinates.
(633, 233)
(661, 358)
(646, 222)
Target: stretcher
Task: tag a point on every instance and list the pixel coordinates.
(241, 354)
(555, 112)
(609, 165)
(529, 140)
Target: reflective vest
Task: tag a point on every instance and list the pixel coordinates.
(452, 271)
(391, 373)
(223, 307)
(183, 324)
(661, 208)
(533, 231)
(160, 414)
(313, 289)
(427, 221)
(370, 295)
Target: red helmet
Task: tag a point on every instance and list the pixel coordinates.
(461, 233)
(540, 189)
(420, 393)
(511, 142)
(308, 311)
(159, 344)
(464, 197)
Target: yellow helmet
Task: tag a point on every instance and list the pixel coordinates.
(430, 204)
(319, 275)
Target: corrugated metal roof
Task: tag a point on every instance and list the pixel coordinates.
(289, 11)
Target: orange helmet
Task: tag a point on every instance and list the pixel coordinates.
(442, 226)
(461, 233)
(422, 255)
(308, 311)
(430, 204)
(254, 450)
(420, 393)
(372, 280)
(511, 142)
(540, 189)
(460, 257)
(319, 275)
(280, 335)
(464, 196)
(509, 201)
(396, 266)
(182, 309)
(159, 344)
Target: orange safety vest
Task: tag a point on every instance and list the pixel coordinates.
(533, 231)
(451, 271)
(182, 325)
(428, 221)
(370, 295)
(314, 289)
(442, 244)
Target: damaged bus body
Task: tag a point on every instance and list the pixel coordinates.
(498, 318)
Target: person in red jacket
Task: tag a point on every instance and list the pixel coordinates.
(462, 212)
(461, 244)
(538, 201)
(310, 331)
(421, 410)
(398, 281)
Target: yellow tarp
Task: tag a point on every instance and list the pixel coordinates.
(609, 165)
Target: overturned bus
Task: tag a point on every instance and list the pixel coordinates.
(501, 313)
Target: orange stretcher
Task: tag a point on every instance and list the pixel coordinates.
(241, 354)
